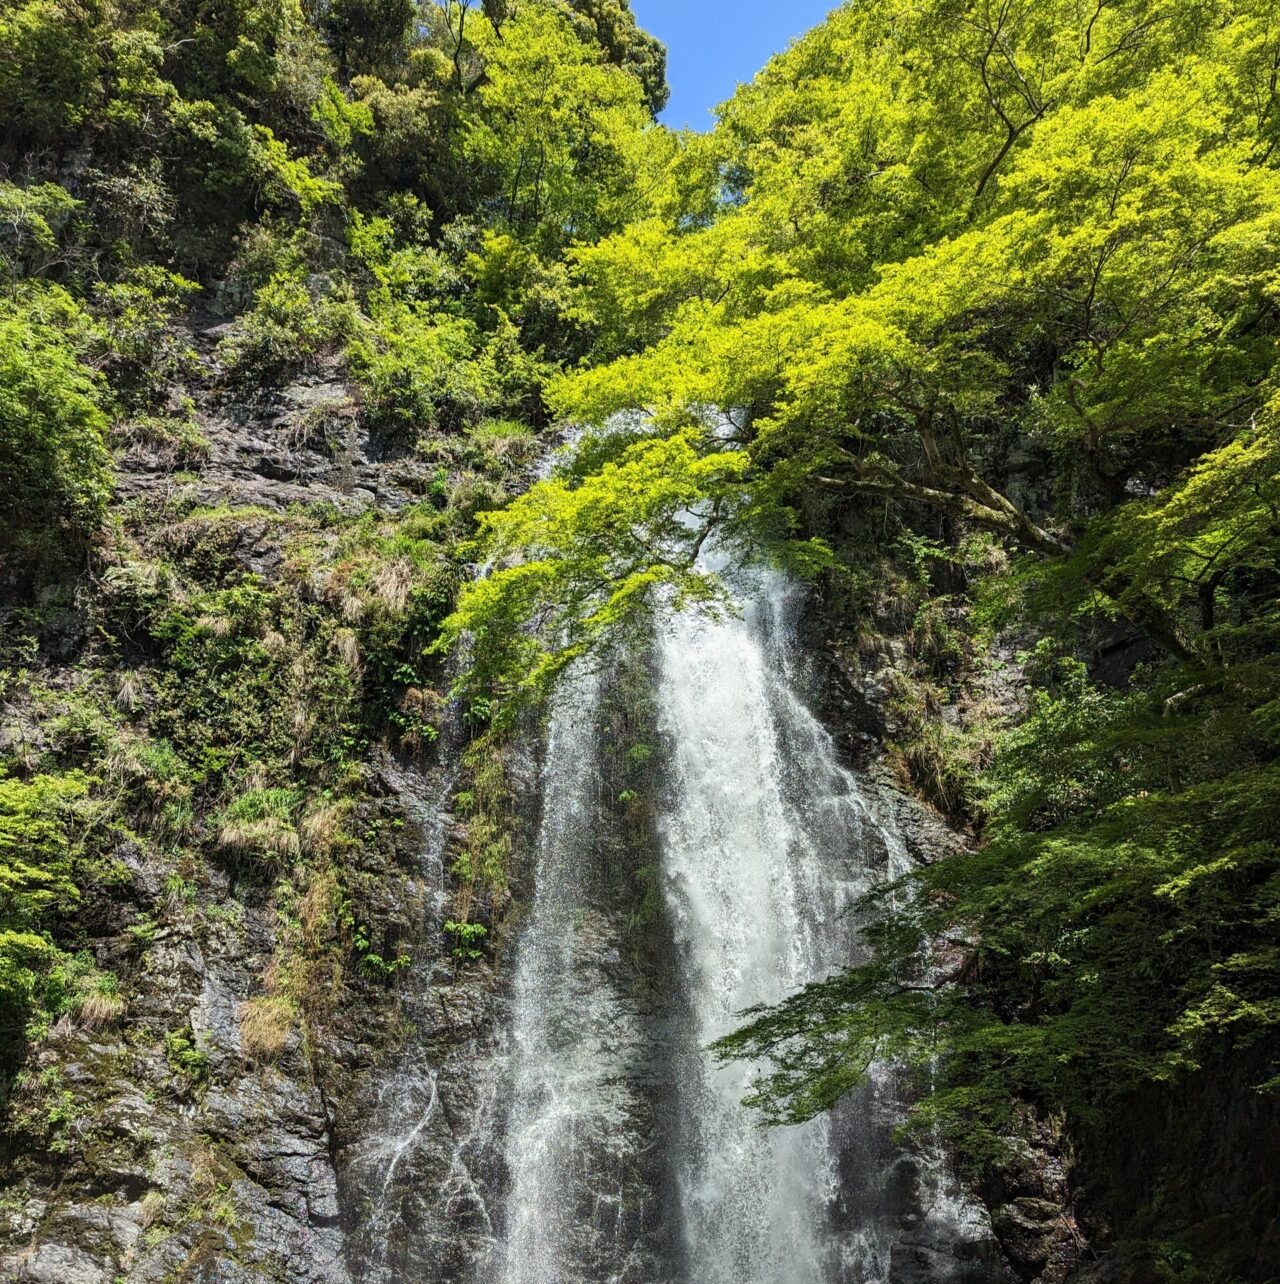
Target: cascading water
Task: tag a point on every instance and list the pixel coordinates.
(581, 1132)
(766, 842)
(418, 1170)
(561, 1105)
(761, 856)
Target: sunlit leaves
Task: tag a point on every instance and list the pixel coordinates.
(56, 468)
(589, 555)
(560, 130)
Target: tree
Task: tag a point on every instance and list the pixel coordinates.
(559, 131)
(586, 554)
(367, 34)
(612, 24)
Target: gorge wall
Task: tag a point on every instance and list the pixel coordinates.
(538, 1108)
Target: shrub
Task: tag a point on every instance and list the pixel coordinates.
(185, 1058)
(136, 347)
(466, 940)
(287, 328)
(36, 879)
(30, 219)
(56, 470)
(419, 373)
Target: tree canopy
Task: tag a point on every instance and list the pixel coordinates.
(997, 282)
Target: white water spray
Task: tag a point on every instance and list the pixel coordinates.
(765, 848)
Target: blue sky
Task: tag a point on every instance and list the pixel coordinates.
(714, 44)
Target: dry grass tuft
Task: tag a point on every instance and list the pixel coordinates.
(254, 778)
(220, 626)
(320, 904)
(265, 1026)
(393, 581)
(322, 828)
(100, 1008)
(264, 836)
(347, 646)
(470, 491)
(153, 1208)
(129, 691)
(274, 644)
(62, 1029)
(302, 724)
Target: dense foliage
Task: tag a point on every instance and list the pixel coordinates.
(989, 291)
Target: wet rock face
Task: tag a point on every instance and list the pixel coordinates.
(1026, 1226)
(415, 1143)
(1033, 1205)
(223, 1168)
(368, 1156)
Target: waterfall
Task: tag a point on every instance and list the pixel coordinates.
(581, 1127)
(765, 844)
(557, 1098)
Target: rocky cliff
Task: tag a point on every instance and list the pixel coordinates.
(215, 1121)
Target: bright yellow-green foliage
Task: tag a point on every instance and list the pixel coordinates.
(894, 285)
(561, 132)
(591, 551)
(1002, 270)
(955, 234)
(38, 866)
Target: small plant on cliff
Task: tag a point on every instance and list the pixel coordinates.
(466, 940)
(259, 826)
(185, 1059)
(99, 1002)
(265, 1025)
(370, 964)
(45, 1107)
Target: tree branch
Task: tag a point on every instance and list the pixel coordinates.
(965, 495)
